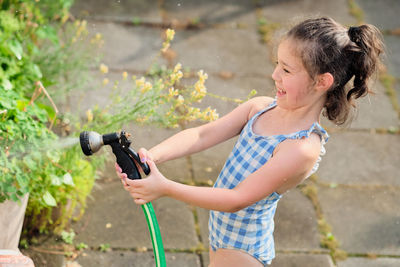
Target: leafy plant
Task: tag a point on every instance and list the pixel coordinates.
(68, 237)
(104, 247)
(58, 181)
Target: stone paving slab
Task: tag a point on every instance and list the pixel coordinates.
(383, 14)
(392, 54)
(230, 12)
(361, 158)
(113, 218)
(202, 217)
(363, 219)
(42, 259)
(120, 10)
(233, 50)
(126, 47)
(135, 259)
(206, 259)
(296, 226)
(365, 262)
(393, 64)
(299, 259)
(97, 93)
(289, 11)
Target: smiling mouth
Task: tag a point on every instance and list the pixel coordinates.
(280, 92)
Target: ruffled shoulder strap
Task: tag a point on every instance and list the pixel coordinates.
(315, 128)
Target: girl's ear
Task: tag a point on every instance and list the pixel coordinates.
(324, 81)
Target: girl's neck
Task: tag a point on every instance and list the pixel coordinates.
(304, 115)
(280, 120)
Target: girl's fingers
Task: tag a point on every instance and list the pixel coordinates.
(144, 155)
(117, 167)
(140, 201)
(152, 166)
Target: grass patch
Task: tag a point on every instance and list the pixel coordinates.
(327, 239)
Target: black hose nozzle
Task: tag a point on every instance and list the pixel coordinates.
(91, 142)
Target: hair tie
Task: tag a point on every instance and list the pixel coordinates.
(355, 34)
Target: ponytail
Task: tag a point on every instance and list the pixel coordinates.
(364, 56)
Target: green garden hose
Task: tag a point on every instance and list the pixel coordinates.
(155, 234)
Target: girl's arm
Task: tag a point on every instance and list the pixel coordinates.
(196, 139)
(288, 167)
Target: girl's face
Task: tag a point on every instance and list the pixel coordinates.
(293, 83)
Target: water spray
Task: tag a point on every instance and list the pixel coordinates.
(91, 142)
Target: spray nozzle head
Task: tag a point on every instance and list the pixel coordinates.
(91, 142)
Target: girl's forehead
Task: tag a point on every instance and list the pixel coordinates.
(288, 53)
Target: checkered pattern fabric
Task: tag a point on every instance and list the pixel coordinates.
(251, 229)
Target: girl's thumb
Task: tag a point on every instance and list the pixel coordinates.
(152, 166)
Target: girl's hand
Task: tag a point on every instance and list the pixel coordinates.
(120, 174)
(144, 155)
(145, 190)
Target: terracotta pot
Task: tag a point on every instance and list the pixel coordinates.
(14, 258)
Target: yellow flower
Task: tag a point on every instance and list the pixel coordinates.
(105, 81)
(213, 115)
(97, 39)
(146, 87)
(89, 115)
(140, 82)
(124, 75)
(180, 100)
(178, 67)
(103, 68)
(172, 92)
(200, 88)
(175, 77)
(81, 28)
(202, 76)
(142, 119)
(170, 34)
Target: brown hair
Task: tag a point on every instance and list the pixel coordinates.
(326, 46)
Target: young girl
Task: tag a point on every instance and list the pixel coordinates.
(280, 141)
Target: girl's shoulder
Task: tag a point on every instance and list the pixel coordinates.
(259, 103)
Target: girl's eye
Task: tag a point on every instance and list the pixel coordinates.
(285, 70)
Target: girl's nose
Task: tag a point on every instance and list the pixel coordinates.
(275, 74)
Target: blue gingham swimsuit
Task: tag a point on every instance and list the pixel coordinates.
(251, 229)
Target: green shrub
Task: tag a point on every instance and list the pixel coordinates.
(58, 181)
